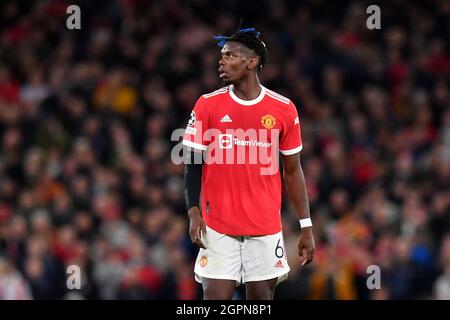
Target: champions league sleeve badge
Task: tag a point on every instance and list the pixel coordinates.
(191, 119)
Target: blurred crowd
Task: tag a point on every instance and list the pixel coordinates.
(86, 117)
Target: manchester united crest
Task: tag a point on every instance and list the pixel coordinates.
(203, 261)
(268, 121)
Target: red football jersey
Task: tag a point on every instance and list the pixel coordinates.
(241, 182)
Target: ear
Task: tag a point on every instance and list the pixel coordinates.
(253, 63)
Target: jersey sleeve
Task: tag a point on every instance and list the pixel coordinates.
(197, 124)
(291, 138)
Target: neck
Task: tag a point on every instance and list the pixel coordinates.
(248, 88)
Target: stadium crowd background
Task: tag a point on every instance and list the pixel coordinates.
(86, 117)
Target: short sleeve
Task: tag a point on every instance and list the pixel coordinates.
(291, 138)
(197, 124)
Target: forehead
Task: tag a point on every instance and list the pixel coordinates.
(234, 46)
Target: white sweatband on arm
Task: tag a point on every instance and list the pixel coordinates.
(305, 223)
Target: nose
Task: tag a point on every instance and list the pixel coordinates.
(221, 62)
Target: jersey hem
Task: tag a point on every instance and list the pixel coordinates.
(244, 234)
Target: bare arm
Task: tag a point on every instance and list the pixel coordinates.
(296, 187)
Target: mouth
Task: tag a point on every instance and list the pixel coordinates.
(222, 73)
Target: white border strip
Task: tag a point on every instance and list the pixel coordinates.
(194, 145)
(219, 91)
(277, 95)
(291, 151)
(247, 102)
(276, 98)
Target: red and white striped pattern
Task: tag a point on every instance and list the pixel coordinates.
(215, 93)
(277, 96)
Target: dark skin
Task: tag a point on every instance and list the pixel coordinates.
(238, 66)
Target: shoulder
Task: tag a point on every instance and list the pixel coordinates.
(209, 100)
(276, 97)
(206, 101)
(213, 95)
(285, 104)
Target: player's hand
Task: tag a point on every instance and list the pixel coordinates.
(306, 245)
(197, 227)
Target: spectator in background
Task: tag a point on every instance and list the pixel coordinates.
(85, 142)
(442, 283)
(12, 285)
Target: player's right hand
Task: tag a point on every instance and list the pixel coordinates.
(197, 227)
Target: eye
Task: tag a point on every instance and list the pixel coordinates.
(229, 55)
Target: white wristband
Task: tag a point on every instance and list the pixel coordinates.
(305, 223)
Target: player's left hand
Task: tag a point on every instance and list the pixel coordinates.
(306, 246)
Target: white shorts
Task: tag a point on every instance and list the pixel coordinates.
(242, 258)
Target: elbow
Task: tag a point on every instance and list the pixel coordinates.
(288, 175)
(291, 172)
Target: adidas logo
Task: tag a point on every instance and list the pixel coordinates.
(279, 264)
(226, 118)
